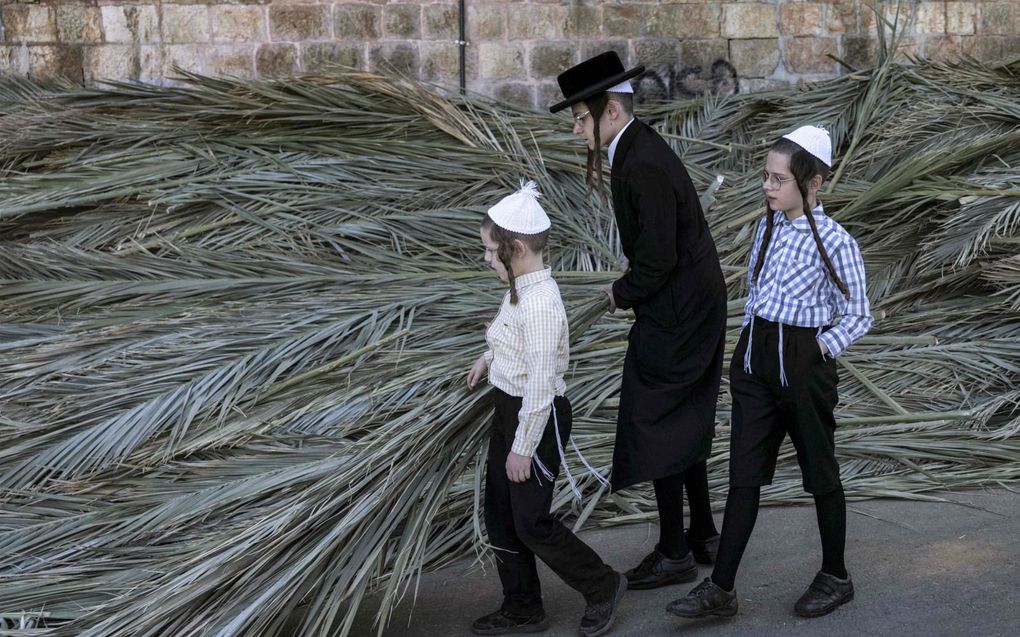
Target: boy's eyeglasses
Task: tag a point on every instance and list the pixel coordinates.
(580, 117)
(772, 180)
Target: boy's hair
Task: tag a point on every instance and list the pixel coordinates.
(625, 100)
(505, 241)
(804, 167)
(596, 107)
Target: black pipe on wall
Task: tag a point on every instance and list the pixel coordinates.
(462, 43)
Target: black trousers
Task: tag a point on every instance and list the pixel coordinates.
(520, 525)
(765, 410)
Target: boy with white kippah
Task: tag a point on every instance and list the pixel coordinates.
(806, 304)
(526, 360)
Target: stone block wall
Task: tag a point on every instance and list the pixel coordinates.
(515, 47)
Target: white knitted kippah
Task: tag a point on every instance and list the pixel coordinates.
(814, 140)
(521, 212)
(623, 87)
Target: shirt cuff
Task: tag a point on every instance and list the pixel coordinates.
(488, 357)
(832, 342)
(524, 447)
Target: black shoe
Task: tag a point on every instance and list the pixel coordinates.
(658, 570)
(504, 623)
(707, 598)
(598, 617)
(704, 550)
(824, 594)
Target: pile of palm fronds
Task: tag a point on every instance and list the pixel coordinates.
(237, 316)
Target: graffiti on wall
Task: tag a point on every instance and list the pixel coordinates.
(682, 81)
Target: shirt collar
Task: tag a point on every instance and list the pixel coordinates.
(616, 140)
(800, 223)
(532, 278)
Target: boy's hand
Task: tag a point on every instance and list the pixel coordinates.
(822, 346)
(518, 467)
(477, 372)
(608, 290)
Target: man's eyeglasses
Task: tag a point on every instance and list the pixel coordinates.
(772, 180)
(579, 117)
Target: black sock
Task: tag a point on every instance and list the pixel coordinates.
(831, 510)
(738, 522)
(702, 524)
(669, 496)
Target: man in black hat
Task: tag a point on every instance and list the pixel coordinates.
(675, 286)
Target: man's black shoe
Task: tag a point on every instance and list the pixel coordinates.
(824, 594)
(658, 570)
(707, 598)
(598, 617)
(704, 550)
(504, 623)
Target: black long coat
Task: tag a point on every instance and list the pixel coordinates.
(675, 285)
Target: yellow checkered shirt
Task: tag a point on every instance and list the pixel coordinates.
(528, 353)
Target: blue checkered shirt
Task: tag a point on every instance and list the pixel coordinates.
(794, 286)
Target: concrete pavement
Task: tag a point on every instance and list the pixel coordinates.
(919, 568)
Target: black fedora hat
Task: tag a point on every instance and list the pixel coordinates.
(591, 77)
